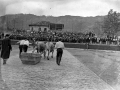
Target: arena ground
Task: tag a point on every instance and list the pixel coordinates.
(80, 70)
(105, 64)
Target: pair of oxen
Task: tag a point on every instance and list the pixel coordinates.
(43, 48)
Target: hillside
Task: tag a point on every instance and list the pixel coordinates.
(71, 23)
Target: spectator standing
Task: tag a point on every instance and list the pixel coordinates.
(59, 46)
(6, 48)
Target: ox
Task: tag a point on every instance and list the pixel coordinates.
(40, 47)
(50, 49)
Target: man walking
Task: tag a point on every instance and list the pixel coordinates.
(59, 46)
(26, 45)
(6, 48)
(21, 46)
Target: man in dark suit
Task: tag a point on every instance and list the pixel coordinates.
(6, 48)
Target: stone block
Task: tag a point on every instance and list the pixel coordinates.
(30, 58)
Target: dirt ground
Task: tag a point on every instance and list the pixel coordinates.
(79, 70)
(105, 64)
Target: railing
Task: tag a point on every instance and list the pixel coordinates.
(84, 46)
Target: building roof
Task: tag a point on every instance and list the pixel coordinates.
(42, 23)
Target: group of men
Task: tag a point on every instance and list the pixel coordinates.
(6, 48)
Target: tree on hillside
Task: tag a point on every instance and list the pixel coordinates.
(111, 23)
(97, 28)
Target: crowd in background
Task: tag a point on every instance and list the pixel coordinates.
(65, 36)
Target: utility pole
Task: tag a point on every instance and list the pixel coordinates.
(14, 23)
(72, 25)
(56, 24)
(22, 24)
(6, 23)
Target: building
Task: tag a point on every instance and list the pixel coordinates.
(45, 26)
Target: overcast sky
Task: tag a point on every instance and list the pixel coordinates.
(59, 7)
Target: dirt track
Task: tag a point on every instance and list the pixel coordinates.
(47, 75)
(105, 64)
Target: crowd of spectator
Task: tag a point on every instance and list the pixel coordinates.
(53, 36)
(65, 36)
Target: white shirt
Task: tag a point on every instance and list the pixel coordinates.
(59, 45)
(21, 42)
(26, 42)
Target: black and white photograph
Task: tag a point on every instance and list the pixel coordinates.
(59, 44)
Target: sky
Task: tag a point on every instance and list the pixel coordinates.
(59, 7)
